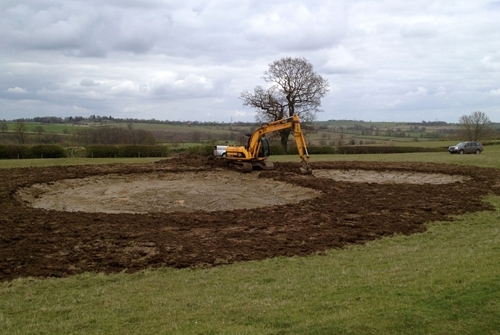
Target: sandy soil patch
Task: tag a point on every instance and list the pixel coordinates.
(386, 177)
(191, 191)
(164, 192)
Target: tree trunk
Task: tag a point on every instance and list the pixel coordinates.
(284, 134)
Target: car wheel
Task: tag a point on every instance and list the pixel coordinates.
(461, 152)
(223, 155)
(478, 151)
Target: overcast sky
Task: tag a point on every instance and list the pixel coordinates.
(385, 60)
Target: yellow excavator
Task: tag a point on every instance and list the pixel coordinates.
(256, 152)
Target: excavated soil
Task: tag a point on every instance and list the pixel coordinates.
(190, 212)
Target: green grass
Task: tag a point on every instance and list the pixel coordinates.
(47, 127)
(489, 158)
(426, 143)
(14, 163)
(443, 281)
(180, 128)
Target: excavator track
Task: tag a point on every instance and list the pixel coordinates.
(244, 167)
(264, 165)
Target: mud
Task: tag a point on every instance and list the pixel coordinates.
(336, 212)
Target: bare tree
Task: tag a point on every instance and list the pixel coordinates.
(475, 127)
(39, 130)
(271, 103)
(294, 89)
(20, 130)
(4, 127)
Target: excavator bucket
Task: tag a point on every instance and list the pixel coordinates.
(305, 168)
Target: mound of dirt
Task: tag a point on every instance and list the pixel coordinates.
(42, 242)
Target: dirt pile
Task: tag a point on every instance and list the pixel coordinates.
(40, 242)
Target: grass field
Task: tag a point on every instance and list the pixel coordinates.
(489, 158)
(443, 281)
(12, 163)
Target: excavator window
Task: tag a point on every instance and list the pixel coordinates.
(264, 151)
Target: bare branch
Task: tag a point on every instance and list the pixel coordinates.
(295, 89)
(476, 126)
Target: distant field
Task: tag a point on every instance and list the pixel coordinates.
(13, 163)
(489, 158)
(325, 132)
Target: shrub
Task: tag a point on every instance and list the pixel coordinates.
(144, 151)
(178, 150)
(383, 150)
(101, 151)
(47, 151)
(202, 150)
(277, 150)
(75, 152)
(107, 151)
(320, 150)
(14, 151)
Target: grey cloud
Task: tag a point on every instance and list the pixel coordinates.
(192, 59)
(16, 90)
(88, 82)
(494, 5)
(79, 30)
(418, 30)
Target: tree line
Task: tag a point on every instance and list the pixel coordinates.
(113, 135)
(82, 137)
(76, 120)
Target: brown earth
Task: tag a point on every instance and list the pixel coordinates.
(329, 210)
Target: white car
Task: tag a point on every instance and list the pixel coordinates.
(220, 150)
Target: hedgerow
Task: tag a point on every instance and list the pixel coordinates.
(36, 151)
(110, 151)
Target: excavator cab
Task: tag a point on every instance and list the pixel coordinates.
(265, 150)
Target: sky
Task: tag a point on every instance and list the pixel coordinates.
(190, 60)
